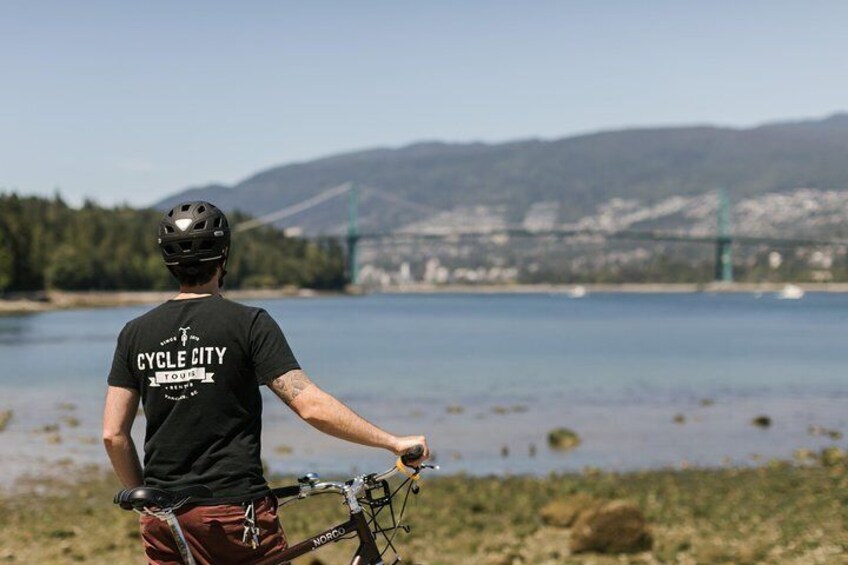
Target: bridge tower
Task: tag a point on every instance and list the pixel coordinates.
(724, 251)
(352, 233)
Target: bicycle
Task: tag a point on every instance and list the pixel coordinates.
(369, 492)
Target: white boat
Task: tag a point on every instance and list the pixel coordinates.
(578, 291)
(791, 292)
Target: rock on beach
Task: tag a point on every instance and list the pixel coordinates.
(614, 527)
(563, 439)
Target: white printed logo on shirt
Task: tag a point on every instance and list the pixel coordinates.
(178, 371)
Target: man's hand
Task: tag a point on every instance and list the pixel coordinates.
(405, 443)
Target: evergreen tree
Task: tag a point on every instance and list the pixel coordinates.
(47, 244)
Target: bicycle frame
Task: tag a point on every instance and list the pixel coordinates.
(367, 554)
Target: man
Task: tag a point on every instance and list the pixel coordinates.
(196, 362)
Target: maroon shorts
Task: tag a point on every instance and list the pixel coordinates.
(214, 535)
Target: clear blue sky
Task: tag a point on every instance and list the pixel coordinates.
(131, 101)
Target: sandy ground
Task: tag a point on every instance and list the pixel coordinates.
(60, 300)
(657, 288)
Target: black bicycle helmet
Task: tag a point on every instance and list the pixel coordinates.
(193, 232)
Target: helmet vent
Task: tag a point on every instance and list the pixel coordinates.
(201, 209)
(206, 245)
(185, 207)
(169, 249)
(169, 229)
(185, 245)
(200, 225)
(171, 213)
(217, 223)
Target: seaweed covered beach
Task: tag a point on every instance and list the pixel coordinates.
(780, 512)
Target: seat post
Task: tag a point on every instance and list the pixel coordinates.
(179, 537)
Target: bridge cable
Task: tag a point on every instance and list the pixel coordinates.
(403, 201)
(288, 211)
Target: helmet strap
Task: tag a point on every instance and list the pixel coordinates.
(223, 269)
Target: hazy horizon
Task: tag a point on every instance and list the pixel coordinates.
(78, 201)
(130, 103)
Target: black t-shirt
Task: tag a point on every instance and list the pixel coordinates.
(198, 364)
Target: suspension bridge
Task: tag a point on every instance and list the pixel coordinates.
(723, 239)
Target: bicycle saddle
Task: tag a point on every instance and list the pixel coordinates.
(143, 496)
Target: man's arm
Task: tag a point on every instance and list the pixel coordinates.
(327, 414)
(118, 416)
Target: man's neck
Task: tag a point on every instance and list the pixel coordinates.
(209, 289)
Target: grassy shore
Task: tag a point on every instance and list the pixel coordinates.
(778, 513)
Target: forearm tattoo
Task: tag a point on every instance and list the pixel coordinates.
(289, 386)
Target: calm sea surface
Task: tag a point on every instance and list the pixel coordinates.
(616, 368)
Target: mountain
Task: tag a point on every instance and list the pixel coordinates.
(564, 180)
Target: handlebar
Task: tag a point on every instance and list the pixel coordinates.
(412, 454)
(310, 485)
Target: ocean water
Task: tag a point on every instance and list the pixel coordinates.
(616, 368)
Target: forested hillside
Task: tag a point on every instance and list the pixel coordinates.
(571, 176)
(45, 244)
